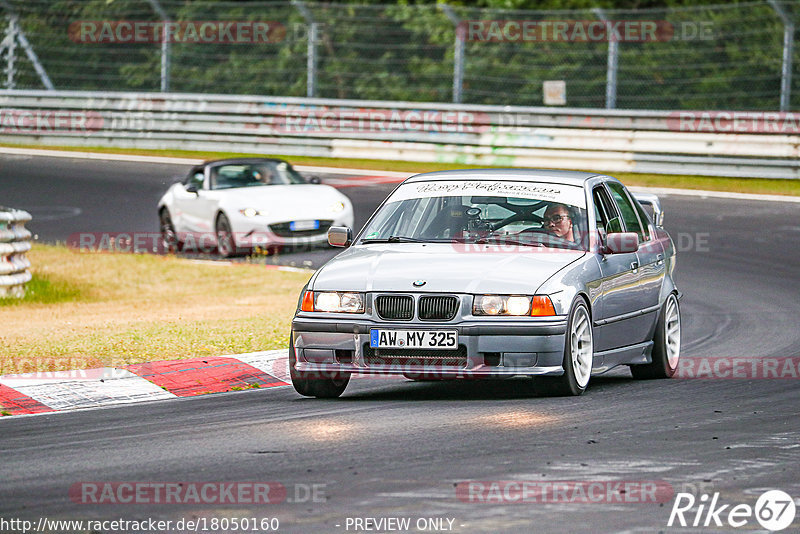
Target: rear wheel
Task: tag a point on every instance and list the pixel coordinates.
(315, 384)
(666, 343)
(578, 356)
(169, 238)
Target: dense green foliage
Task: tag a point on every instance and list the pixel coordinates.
(405, 51)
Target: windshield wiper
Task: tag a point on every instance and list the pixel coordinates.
(393, 239)
(506, 241)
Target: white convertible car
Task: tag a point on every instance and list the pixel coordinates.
(238, 205)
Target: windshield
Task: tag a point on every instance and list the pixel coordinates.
(254, 175)
(491, 212)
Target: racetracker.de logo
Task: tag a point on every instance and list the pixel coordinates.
(756, 122)
(49, 121)
(745, 367)
(187, 31)
(177, 492)
(564, 491)
(380, 121)
(515, 31)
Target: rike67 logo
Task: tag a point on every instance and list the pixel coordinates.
(774, 511)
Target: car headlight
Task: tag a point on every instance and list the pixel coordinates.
(337, 207)
(252, 212)
(538, 305)
(332, 301)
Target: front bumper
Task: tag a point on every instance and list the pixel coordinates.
(491, 349)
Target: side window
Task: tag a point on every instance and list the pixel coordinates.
(605, 216)
(627, 210)
(645, 218)
(195, 179)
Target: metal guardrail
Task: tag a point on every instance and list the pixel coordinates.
(14, 243)
(738, 144)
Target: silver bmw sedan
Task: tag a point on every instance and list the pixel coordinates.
(552, 275)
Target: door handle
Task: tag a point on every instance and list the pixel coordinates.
(634, 266)
(659, 259)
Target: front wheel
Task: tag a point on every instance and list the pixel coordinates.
(226, 241)
(666, 343)
(169, 238)
(578, 356)
(315, 384)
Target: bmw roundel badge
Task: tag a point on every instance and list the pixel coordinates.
(419, 283)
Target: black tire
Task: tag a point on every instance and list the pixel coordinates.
(666, 353)
(226, 242)
(320, 385)
(570, 383)
(169, 238)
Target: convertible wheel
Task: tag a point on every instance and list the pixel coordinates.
(666, 343)
(320, 385)
(578, 356)
(226, 243)
(169, 238)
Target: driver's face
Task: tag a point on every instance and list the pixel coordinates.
(557, 222)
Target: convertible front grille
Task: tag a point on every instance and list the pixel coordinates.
(437, 308)
(415, 358)
(282, 229)
(396, 307)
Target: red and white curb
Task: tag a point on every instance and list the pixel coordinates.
(93, 388)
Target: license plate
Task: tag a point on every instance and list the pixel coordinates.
(413, 339)
(299, 226)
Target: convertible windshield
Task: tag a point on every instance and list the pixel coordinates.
(254, 175)
(490, 212)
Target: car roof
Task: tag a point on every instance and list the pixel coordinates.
(242, 161)
(552, 176)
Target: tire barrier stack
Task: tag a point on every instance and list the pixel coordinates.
(14, 243)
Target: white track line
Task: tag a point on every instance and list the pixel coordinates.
(362, 172)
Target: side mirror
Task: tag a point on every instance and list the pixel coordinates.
(314, 180)
(622, 242)
(191, 187)
(341, 236)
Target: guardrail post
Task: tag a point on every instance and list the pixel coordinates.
(9, 46)
(788, 49)
(458, 53)
(165, 45)
(14, 243)
(311, 64)
(611, 64)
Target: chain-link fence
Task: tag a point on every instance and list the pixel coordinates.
(734, 56)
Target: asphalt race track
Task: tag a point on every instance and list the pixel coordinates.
(395, 448)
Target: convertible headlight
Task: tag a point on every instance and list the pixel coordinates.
(333, 301)
(337, 207)
(252, 212)
(538, 305)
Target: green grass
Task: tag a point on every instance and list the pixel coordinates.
(85, 310)
(43, 290)
(709, 183)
